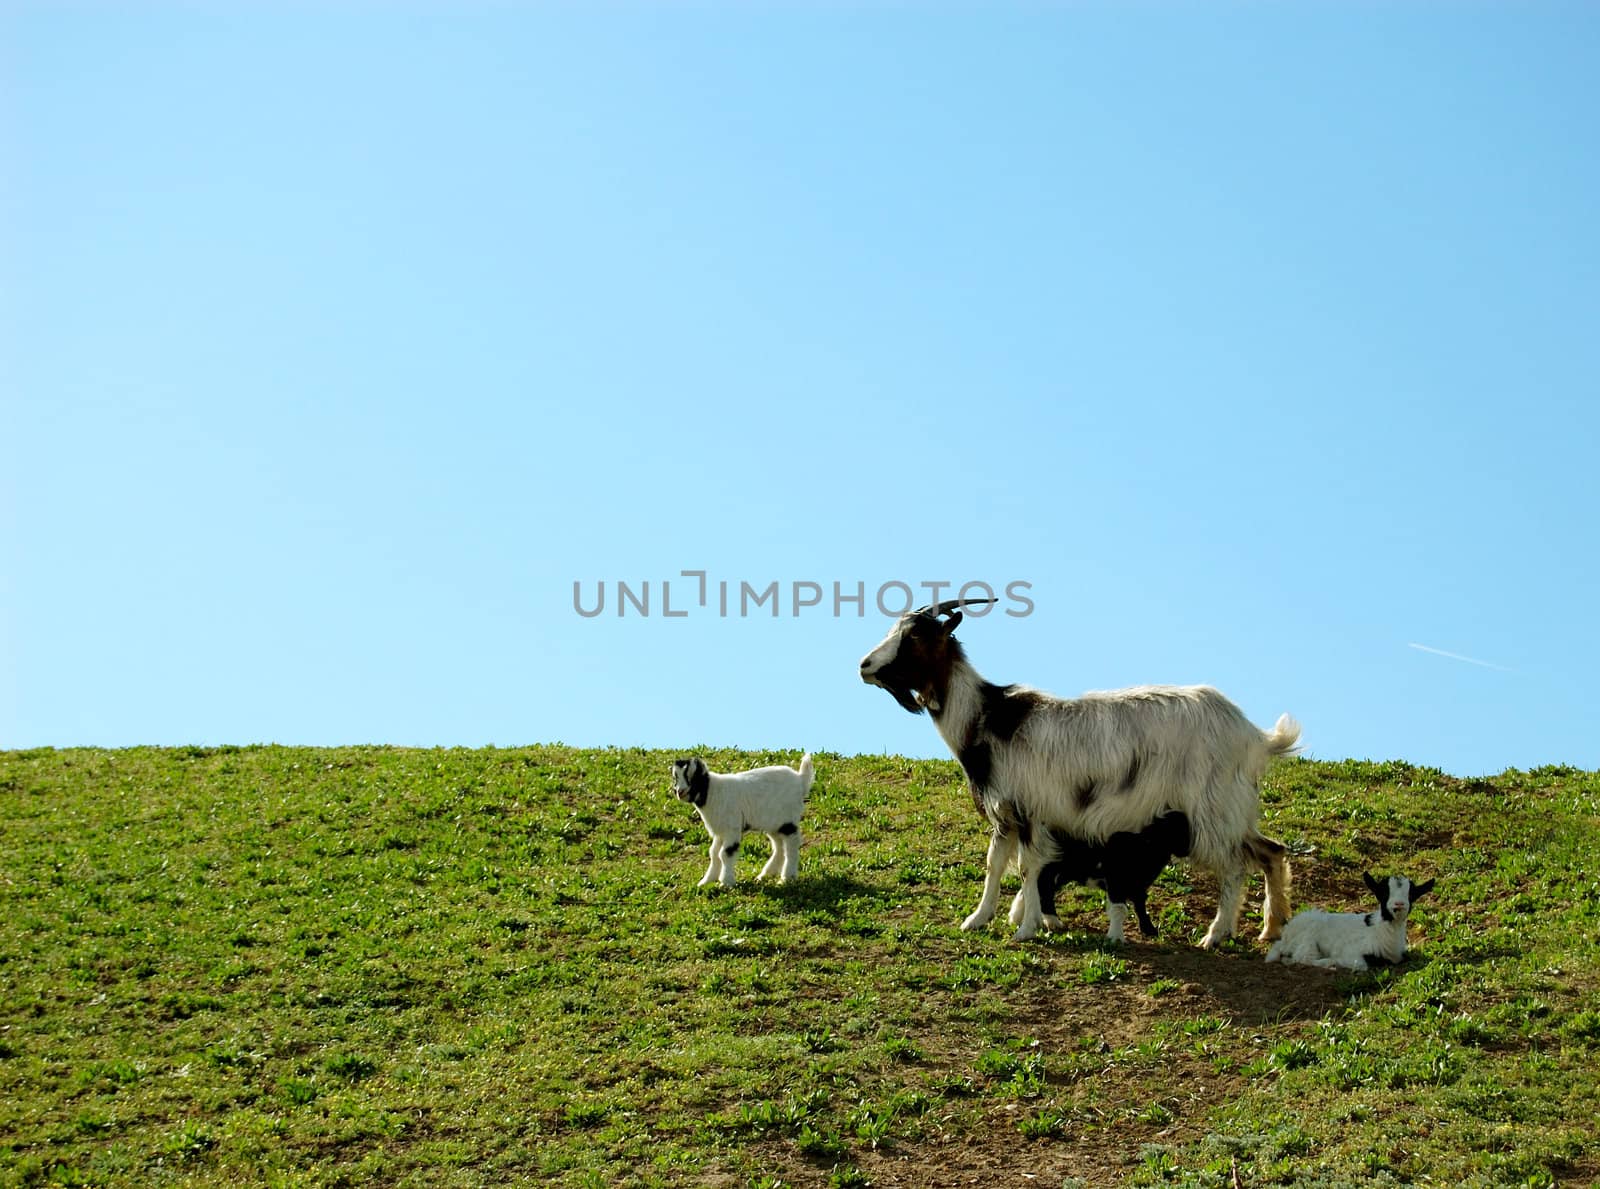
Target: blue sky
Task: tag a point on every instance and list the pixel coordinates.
(341, 340)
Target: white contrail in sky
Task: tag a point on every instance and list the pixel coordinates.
(1456, 656)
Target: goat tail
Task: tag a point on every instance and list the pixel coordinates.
(807, 772)
(1284, 738)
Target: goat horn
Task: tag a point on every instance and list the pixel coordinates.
(950, 605)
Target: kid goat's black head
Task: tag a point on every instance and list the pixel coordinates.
(913, 661)
(690, 780)
(1396, 894)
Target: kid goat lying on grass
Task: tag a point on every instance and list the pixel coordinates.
(1353, 940)
(767, 799)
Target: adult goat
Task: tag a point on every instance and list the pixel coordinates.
(1091, 766)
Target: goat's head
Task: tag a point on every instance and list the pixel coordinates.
(690, 780)
(1396, 894)
(913, 661)
(1173, 832)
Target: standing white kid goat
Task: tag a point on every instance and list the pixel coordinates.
(767, 799)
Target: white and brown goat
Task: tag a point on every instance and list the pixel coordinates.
(1092, 766)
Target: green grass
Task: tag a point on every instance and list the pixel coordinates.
(392, 967)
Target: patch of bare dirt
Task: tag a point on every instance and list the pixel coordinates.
(1113, 1101)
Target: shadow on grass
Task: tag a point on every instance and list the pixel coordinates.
(1244, 985)
(1472, 953)
(1254, 990)
(832, 894)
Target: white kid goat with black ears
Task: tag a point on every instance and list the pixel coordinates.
(1091, 767)
(1353, 940)
(770, 800)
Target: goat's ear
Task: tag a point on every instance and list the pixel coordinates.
(1419, 890)
(1373, 886)
(950, 624)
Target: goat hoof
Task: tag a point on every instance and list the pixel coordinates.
(976, 921)
(1051, 922)
(1025, 933)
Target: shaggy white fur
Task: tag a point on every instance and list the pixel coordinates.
(1092, 766)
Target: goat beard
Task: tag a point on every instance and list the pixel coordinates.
(900, 693)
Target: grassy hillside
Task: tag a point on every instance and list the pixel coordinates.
(372, 966)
